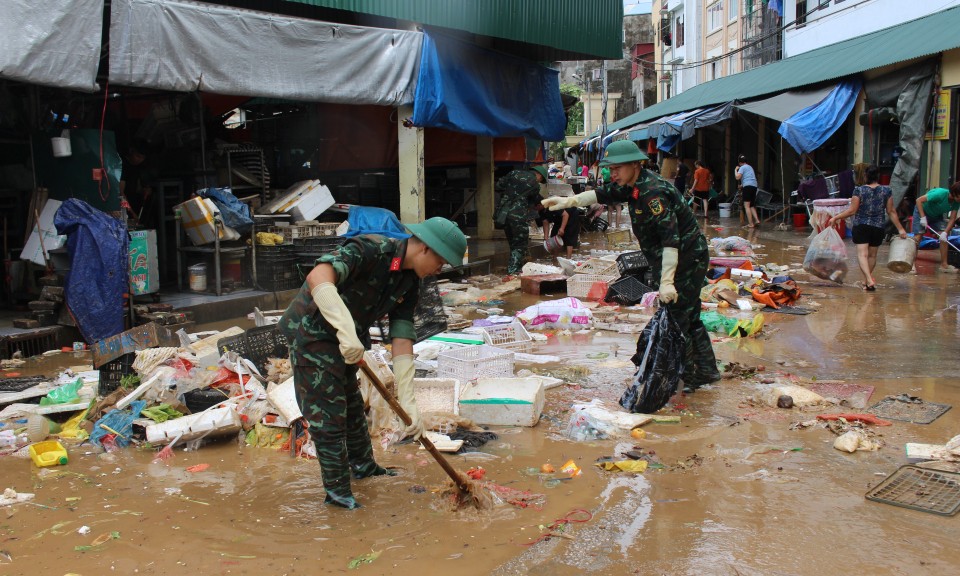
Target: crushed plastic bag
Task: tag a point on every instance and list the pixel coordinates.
(827, 256)
(717, 322)
(595, 421)
(566, 313)
(659, 361)
(66, 394)
(732, 245)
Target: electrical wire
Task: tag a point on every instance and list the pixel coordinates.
(103, 169)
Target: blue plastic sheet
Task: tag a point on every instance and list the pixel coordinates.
(809, 128)
(120, 421)
(366, 220)
(98, 276)
(934, 243)
(465, 88)
(235, 213)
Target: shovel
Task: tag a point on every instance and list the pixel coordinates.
(459, 480)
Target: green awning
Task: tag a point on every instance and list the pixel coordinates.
(915, 39)
(567, 29)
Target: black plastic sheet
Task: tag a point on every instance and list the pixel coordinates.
(659, 360)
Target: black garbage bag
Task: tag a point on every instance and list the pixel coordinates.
(659, 361)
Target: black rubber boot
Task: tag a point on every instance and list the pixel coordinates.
(339, 494)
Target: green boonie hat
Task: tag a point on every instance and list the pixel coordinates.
(541, 171)
(621, 152)
(443, 237)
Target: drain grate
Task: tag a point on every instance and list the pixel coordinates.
(21, 383)
(934, 491)
(908, 409)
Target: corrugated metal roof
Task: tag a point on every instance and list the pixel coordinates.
(573, 29)
(921, 37)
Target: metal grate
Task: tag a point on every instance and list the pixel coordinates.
(933, 491)
(21, 383)
(915, 410)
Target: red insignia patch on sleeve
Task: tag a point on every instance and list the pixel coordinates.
(395, 265)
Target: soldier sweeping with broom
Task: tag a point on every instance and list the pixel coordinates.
(327, 326)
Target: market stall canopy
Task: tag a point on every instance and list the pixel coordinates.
(185, 46)
(56, 44)
(914, 39)
(809, 128)
(783, 106)
(465, 88)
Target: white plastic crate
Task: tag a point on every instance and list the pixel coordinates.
(512, 336)
(579, 285)
(598, 266)
(437, 395)
(472, 362)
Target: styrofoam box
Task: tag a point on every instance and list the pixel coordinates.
(311, 203)
(503, 401)
(437, 395)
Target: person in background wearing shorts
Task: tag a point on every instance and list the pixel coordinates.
(702, 180)
(567, 226)
(867, 206)
(933, 208)
(748, 190)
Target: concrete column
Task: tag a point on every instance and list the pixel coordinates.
(761, 160)
(484, 197)
(410, 152)
(728, 185)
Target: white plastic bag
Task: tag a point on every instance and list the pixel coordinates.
(566, 313)
(827, 256)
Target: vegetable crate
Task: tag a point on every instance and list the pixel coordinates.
(512, 336)
(113, 371)
(472, 362)
(615, 237)
(589, 286)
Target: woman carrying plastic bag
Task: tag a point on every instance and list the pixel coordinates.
(827, 256)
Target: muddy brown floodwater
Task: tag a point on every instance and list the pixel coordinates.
(739, 492)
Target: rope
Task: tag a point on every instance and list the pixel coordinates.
(559, 526)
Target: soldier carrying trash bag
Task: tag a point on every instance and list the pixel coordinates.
(672, 243)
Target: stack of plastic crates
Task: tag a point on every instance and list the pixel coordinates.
(471, 362)
(429, 318)
(277, 268)
(632, 264)
(627, 291)
(307, 250)
(589, 286)
(598, 266)
(512, 336)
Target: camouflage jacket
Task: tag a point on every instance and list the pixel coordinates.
(660, 218)
(521, 191)
(371, 282)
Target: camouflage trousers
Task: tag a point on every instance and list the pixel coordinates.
(518, 238)
(332, 406)
(700, 363)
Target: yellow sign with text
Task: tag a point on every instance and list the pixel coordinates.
(941, 120)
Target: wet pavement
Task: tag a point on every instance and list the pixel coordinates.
(739, 491)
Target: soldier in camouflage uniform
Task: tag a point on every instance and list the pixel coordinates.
(521, 192)
(327, 326)
(672, 243)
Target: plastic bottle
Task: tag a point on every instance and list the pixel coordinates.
(37, 428)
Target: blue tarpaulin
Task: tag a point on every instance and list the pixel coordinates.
(98, 276)
(809, 128)
(465, 88)
(369, 220)
(235, 213)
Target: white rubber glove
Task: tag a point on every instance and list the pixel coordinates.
(942, 236)
(923, 222)
(403, 376)
(336, 313)
(671, 257)
(582, 199)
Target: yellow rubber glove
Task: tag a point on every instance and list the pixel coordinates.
(562, 203)
(671, 257)
(403, 376)
(336, 313)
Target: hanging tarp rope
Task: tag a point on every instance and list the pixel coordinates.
(809, 128)
(52, 43)
(187, 46)
(469, 89)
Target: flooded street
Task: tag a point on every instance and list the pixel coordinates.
(738, 491)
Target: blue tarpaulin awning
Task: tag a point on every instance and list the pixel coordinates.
(809, 128)
(465, 88)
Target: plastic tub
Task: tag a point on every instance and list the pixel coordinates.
(726, 209)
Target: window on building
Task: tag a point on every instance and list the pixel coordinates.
(714, 16)
(801, 15)
(732, 64)
(733, 9)
(678, 36)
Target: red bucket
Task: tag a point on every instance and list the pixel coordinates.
(799, 221)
